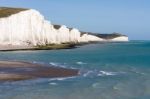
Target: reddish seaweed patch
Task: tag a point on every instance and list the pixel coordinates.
(15, 70)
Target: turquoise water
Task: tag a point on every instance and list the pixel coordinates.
(107, 71)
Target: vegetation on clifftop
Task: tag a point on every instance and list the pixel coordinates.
(6, 12)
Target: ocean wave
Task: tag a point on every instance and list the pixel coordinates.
(98, 85)
(87, 73)
(136, 71)
(63, 65)
(61, 78)
(50, 63)
(35, 62)
(80, 63)
(93, 73)
(109, 73)
(57, 64)
(103, 73)
(53, 83)
(141, 73)
(53, 63)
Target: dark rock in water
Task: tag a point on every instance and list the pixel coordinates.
(16, 70)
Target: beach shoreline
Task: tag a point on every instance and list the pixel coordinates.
(38, 47)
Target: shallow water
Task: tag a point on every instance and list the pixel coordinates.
(107, 71)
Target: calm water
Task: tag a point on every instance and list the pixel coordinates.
(107, 71)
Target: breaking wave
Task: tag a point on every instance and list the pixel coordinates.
(61, 78)
(58, 64)
(80, 63)
(93, 73)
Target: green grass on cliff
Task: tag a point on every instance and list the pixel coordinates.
(6, 12)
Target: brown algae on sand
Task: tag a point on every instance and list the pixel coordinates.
(18, 70)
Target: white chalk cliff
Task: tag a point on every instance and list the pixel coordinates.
(29, 27)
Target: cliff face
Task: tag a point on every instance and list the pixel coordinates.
(28, 27)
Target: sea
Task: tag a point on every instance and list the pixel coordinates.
(107, 71)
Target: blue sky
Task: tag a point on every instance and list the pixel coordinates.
(130, 17)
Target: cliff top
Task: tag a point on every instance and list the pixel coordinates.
(6, 11)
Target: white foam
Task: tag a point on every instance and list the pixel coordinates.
(57, 64)
(108, 73)
(34, 62)
(53, 63)
(37, 62)
(105, 73)
(87, 74)
(61, 78)
(63, 65)
(97, 85)
(52, 83)
(91, 73)
(80, 63)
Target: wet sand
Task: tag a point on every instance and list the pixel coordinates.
(18, 70)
